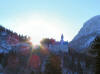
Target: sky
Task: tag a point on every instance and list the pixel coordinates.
(47, 18)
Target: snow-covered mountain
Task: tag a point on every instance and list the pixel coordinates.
(86, 35)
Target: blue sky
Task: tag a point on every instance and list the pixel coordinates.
(47, 18)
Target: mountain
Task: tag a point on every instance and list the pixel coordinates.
(86, 35)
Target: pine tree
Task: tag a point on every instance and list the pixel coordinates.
(50, 66)
(96, 47)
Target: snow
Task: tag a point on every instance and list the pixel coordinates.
(4, 33)
(1, 50)
(91, 26)
(89, 41)
(87, 34)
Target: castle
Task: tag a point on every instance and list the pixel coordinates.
(59, 46)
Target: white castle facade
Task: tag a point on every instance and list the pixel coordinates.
(59, 46)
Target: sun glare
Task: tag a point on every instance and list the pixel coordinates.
(37, 27)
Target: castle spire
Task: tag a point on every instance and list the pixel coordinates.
(62, 39)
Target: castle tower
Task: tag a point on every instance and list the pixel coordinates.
(62, 39)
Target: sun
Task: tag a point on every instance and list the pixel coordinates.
(37, 27)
